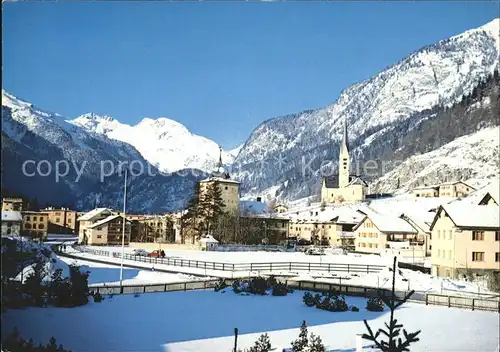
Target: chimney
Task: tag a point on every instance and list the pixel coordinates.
(259, 199)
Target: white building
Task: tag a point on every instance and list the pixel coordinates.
(11, 222)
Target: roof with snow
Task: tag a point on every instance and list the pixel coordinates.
(252, 207)
(8, 215)
(419, 221)
(105, 220)
(208, 239)
(385, 222)
(345, 214)
(492, 191)
(466, 215)
(219, 179)
(435, 187)
(93, 213)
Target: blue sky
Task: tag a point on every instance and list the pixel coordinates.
(219, 68)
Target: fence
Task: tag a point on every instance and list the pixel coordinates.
(246, 267)
(170, 287)
(246, 248)
(414, 267)
(348, 290)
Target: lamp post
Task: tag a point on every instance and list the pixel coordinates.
(123, 227)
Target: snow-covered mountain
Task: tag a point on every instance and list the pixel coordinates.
(473, 158)
(165, 143)
(86, 159)
(286, 153)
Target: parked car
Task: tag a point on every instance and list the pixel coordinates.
(155, 253)
(140, 252)
(315, 251)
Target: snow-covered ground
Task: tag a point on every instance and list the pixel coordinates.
(110, 274)
(205, 320)
(265, 257)
(409, 280)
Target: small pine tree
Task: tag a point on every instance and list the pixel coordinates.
(395, 343)
(263, 344)
(316, 344)
(301, 343)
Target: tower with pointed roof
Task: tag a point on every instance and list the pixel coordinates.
(230, 189)
(344, 160)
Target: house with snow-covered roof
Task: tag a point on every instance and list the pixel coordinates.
(108, 231)
(465, 238)
(88, 219)
(380, 233)
(456, 189)
(325, 225)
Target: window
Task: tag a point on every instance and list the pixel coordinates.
(376, 245)
(69, 221)
(363, 244)
(225, 188)
(438, 234)
(28, 226)
(450, 234)
(497, 257)
(40, 226)
(34, 218)
(27, 218)
(58, 219)
(478, 256)
(497, 235)
(99, 236)
(478, 235)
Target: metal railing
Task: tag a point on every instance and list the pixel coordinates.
(348, 290)
(150, 288)
(246, 267)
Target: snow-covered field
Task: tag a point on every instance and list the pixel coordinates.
(110, 274)
(205, 320)
(407, 280)
(265, 257)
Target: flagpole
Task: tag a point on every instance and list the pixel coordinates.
(123, 228)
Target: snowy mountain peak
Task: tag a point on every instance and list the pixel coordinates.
(101, 124)
(163, 142)
(13, 102)
(491, 28)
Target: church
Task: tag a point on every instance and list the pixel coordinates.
(343, 187)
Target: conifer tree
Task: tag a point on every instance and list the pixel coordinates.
(395, 342)
(263, 344)
(212, 205)
(315, 344)
(301, 343)
(193, 217)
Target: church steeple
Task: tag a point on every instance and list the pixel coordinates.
(345, 142)
(219, 170)
(219, 167)
(344, 159)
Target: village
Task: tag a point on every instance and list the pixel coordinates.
(451, 228)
